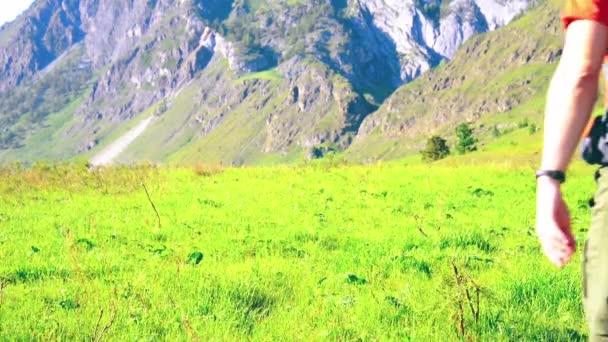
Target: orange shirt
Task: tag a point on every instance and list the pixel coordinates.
(596, 10)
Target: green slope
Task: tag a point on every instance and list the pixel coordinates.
(39, 116)
(496, 79)
(223, 118)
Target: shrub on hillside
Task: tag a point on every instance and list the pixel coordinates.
(436, 148)
(466, 141)
(207, 170)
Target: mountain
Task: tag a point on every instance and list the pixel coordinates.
(496, 81)
(234, 82)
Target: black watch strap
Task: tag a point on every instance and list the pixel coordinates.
(559, 176)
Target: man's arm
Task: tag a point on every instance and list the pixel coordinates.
(572, 95)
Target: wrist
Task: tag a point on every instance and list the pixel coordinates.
(546, 181)
(553, 174)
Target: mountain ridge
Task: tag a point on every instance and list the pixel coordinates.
(327, 65)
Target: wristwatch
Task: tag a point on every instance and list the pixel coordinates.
(558, 175)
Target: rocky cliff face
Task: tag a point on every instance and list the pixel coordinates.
(351, 54)
(425, 32)
(29, 45)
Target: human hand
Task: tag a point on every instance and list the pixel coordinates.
(553, 223)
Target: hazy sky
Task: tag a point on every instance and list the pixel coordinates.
(9, 10)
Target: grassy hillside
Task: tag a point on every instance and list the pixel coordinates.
(314, 252)
(496, 81)
(258, 118)
(39, 111)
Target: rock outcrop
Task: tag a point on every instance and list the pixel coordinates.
(423, 33)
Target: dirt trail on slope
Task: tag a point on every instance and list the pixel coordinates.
(108, 154)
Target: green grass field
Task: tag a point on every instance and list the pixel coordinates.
(319, 252)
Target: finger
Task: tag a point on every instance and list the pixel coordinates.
(569, 243)
(554, 241)
(556, 246)
(571, 240)
(557, 262)
(561, 239)
(560, 257)
(557, 251)
(564, 261)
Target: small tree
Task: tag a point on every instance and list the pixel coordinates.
(495, 132)
(466, 140)
(436, 148)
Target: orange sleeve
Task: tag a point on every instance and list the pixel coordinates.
(596, 10)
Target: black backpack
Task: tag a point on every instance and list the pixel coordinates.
(594, 148)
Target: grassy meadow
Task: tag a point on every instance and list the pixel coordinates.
(316, 252)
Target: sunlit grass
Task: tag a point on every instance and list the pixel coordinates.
(325, 251)
(267, 75)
